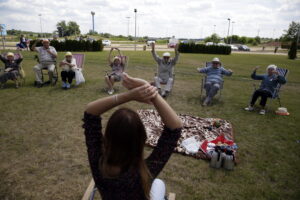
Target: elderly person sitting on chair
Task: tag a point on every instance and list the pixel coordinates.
(47, 57)
(12, 66)
(214, 78)
(165, 70)
(118, 67)
(68, 70)
(267, 88)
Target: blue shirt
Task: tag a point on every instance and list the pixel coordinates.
(215, 74)
(269, 83)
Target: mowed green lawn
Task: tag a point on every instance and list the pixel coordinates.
(43, 153)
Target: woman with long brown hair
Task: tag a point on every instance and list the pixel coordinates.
(116, 158)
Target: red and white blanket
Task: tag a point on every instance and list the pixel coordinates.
(204, 131)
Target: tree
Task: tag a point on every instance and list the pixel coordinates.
(291, 33)
(293, 50)
(64, 29)
(213, 38)
(257, 39)
(73, 28)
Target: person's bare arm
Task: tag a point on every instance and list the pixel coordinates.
(109, 56)
(34, 45)
(168, 115)
(141, 94)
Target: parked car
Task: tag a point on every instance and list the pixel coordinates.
(184, 42)
(106, 42)
(209, 43)
(244, 48)
(172, 42)
(234, 48)
(149, 42)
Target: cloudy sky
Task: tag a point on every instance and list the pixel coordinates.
(157, 18)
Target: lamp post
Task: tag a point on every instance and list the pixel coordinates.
(40, 15)
(232, 31)
(93, 14)
(135, 11)
(228, 30)
(128, 19)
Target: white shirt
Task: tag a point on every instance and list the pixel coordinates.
(44, 56)
(67, 67)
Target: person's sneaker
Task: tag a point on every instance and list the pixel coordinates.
(110, 92)
(64, 85)
(249, 108)
(39, 85)
(68, 86)
(206, 102)
(262, 112)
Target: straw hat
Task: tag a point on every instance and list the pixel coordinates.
(10, 54)
(282, 111)
(68, 53)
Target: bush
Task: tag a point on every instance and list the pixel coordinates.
(201, 48)
(293, 51)
(73, 45)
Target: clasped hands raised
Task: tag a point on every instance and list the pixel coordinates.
(139, 89)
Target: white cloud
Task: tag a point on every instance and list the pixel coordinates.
(182, 18)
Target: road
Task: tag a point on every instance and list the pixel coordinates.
(160, 47)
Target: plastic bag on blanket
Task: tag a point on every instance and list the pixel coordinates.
(79, 77)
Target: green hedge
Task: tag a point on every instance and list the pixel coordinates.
(73, 45)
(201, 48)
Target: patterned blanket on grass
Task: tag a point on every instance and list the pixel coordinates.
(202, 128)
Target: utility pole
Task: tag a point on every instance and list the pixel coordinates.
(214, 28)
(231, 32)
(228, 30)
(40, 15)
(135, 11)
(128, 18)
(93, 14)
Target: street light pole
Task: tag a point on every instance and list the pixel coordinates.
(135, 11)
(93, 14)
(231, 31)
(40, 15)
(128, 18)
(228, 30)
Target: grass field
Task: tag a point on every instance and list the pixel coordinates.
(43, 154)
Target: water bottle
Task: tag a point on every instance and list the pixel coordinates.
(216, 158)
(229, 160)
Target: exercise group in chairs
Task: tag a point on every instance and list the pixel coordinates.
(163, 79)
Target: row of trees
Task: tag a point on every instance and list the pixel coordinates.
(234, 39)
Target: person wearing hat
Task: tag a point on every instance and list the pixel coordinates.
(68, 66)
(267, 87)
(214, 78)
(12, 67)
(118, 67)
(47, 58)
(165, 70)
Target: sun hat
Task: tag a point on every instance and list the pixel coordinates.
(282, 111)
(68, 53)
(272, 67)
(116, 58)
(166, 54)
(10, 54)
(216, 60)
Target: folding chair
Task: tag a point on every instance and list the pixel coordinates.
(107, 72)
(79, 60)
(89, 194)
(283, 72)
(21, 77)
(173, 76)
(44, 72)
(55, 74)
(203, 80)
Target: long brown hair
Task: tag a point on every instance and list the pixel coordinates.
(124, 142)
